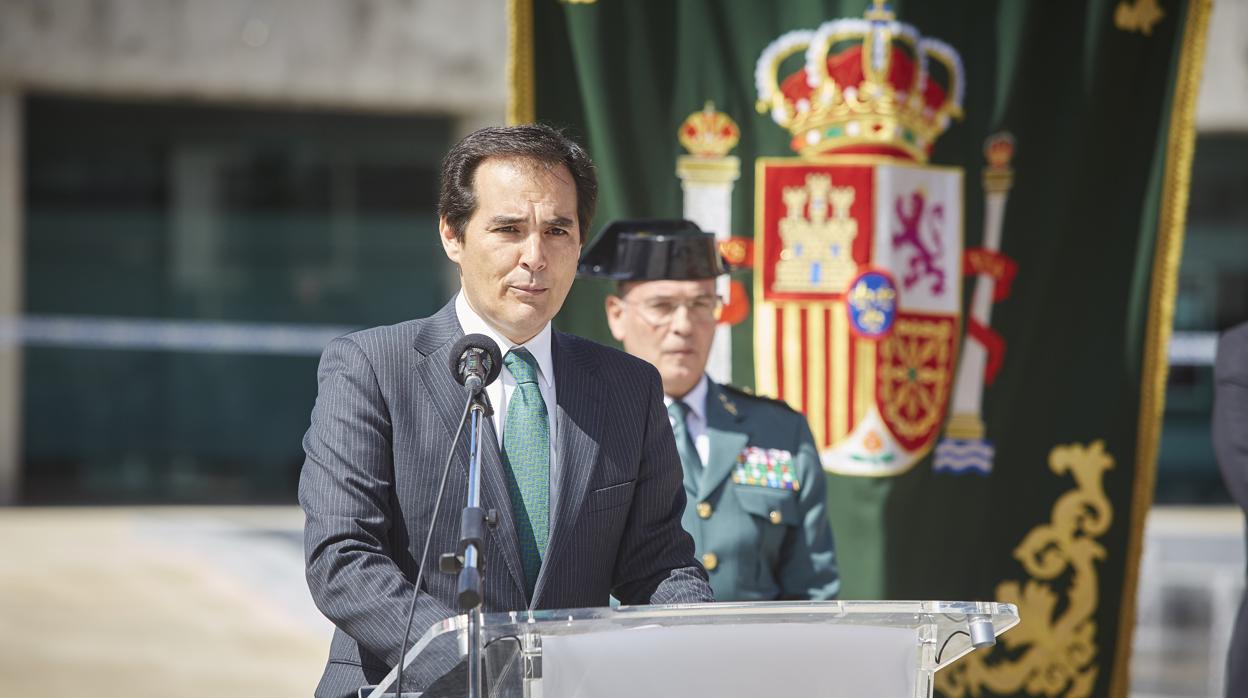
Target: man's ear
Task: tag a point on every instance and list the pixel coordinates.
(615, 317)
(451, 244)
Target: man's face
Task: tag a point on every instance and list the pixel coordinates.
(517, 257)
(671, 324)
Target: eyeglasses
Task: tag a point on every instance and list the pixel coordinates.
(661, 311)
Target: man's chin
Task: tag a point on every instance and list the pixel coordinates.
(681, 378)
(682, 364)
(529, 306)
(524, 319)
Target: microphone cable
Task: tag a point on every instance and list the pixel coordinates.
(420, 573)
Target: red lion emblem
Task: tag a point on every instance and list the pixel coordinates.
(923, 263)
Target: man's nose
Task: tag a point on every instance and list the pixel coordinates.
(533, 253)
(682, 322)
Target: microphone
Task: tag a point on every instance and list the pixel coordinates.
(475, 361)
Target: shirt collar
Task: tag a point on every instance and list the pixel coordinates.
(539, 346)
(695, 399)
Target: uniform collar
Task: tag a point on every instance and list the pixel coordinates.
(695, 399)
(539, 346)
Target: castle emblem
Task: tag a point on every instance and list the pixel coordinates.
(816, 254)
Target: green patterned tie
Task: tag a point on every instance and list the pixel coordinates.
(526, 453)
(684, 443)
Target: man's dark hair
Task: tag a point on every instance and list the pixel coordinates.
(540, 143)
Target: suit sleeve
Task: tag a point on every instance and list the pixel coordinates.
(655, 563)
(345, 490)
(1230, 411)
(808, 557)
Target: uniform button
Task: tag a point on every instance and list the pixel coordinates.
(775, 516)
(710, 561)
(704, 510)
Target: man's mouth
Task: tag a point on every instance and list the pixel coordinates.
(528, 291)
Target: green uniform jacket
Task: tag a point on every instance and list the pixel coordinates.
(761, 534)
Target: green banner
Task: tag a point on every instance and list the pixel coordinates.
(1011, 457)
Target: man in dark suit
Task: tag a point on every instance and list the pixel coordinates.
(1230, 443)
(578, 459)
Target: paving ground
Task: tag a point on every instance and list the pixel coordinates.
(211, 601)
(156, 602)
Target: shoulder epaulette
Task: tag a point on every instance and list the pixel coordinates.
(748, 395)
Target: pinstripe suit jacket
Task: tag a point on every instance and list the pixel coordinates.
(385, 413)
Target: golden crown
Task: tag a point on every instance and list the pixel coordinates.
(999, 151)
(867, 85)
(709, 133)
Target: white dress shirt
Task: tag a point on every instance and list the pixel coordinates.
(695, 420)
(500, 390)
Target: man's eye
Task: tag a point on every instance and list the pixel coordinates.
(662, 308)
(506, 229)
(557, 231)
(705, 304)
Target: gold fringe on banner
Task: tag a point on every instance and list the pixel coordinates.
(1180, 144)
(521, 107)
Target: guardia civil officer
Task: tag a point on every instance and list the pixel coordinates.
(755, 488)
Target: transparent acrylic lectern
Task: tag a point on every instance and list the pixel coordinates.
(811, 648)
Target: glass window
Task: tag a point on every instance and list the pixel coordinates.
(184, 267)
(1212, 297)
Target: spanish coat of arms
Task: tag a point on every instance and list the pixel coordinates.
(858, 280)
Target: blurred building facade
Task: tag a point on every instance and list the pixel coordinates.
(194, 197)
(1213, 279)
(1193, 569)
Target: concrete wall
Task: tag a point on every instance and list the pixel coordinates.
(425, 55)
(1223, 101)
(418, 56)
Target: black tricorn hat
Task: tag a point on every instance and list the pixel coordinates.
(652, 250)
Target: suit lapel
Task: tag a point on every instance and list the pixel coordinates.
(434, 343)
(579, 424)
(727, 435)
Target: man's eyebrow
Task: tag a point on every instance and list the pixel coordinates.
(561, 221)
(673, 299)
(506, 220)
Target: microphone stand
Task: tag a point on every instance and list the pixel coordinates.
(472, 525)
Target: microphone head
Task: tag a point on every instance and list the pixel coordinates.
(491, 358)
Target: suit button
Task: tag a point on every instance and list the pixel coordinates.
(775, 516)
(704, 510)
(710, 561)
